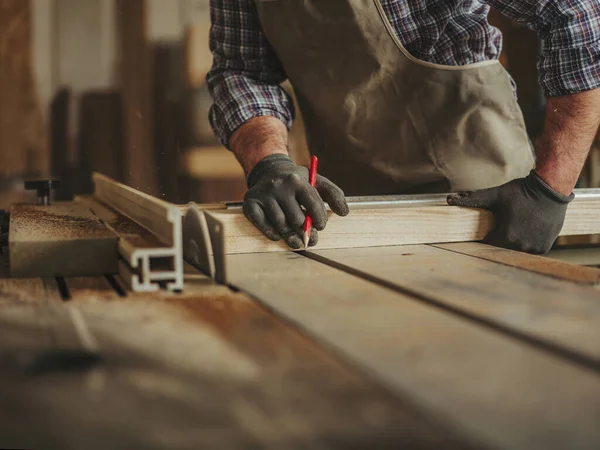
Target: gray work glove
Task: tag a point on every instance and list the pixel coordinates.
(277, 189)
(528, 213)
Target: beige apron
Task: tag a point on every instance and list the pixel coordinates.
(384, 122)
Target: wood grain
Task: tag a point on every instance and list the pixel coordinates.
(556, 312)
(366, 228)
(533, 263)
(493, 388)
(205, 369)
(159, 217)
(396, 226)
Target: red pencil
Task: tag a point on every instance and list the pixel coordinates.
(312, 179)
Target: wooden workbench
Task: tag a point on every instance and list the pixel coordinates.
(449, 346)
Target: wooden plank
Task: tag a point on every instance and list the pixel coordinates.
(366, 228)
(533, 263)
(486, 385)
(211, 366)
(302, 383)
(555, 314)
(59, 240)
(28, 290)
(396, 226)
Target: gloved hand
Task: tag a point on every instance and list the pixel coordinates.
(277, 188)
(528, 213)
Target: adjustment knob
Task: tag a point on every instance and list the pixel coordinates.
(43, 187)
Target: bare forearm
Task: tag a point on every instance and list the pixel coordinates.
(257, 138)
(571, 124)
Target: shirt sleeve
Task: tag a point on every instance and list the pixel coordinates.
(570, 34)
(245, 78)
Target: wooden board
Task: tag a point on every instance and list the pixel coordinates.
(396, 226)
(366, 228)
(206, 369)
(556, 314)
(486, 385)
(59, 240)
(533, 263)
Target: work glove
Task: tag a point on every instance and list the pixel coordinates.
(277, 191)
(528, 213)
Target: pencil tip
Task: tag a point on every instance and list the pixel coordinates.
(305, 239)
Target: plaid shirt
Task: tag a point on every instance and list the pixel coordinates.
(246, 73)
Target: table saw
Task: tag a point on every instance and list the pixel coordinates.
(173, 326)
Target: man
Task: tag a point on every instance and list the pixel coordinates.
(404, 97)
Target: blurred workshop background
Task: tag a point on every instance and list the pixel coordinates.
(118, 86)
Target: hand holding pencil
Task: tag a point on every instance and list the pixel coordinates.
(284, 198)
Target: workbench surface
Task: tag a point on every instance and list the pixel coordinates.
(421, 346)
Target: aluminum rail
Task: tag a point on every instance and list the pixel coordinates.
(400, 201)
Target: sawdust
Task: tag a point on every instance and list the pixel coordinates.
(123, 225)
(134, 233)
(31, 222)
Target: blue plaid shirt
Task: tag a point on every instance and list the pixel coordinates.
(246, 73)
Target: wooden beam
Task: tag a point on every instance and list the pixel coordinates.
(499, 391)
(396, 226)
(365, 228)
